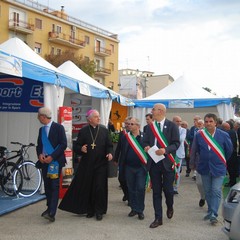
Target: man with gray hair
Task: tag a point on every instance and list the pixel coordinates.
(51, 144)
(88, 192)
(161, 141)
(135, 164)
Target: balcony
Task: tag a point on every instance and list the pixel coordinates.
(65, 40)
(103, 52)
(20, 26)
(100, 71)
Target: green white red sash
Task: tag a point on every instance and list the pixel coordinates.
(187, 149)
(137, 148)
(124, 132)
(163, 142)
(213, 144)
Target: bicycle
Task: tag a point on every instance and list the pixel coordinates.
(7, 172)
(32, 177)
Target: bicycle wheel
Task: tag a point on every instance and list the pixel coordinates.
(9, 186)
(32, 179)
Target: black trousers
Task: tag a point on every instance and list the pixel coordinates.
(162, 181)
(232, 167)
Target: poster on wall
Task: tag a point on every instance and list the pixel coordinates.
(80, 105)
(20, 94)
(65, 118)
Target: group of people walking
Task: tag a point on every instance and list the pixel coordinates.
(157, 152)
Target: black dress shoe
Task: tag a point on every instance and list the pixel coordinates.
(156, 223)
(99, 217)
(90, 215)
(201, 202)
(132, 213)
(175, 192)
(49, 217)
(140, 216)
(44, 213)
(170, 213)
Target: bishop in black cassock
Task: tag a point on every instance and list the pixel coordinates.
(88, 192)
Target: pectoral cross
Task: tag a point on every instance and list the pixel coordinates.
(93, 145)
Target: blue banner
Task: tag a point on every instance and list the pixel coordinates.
(20, 94)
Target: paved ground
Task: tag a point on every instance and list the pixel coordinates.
(186, 223)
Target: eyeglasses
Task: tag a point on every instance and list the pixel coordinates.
(132, 124)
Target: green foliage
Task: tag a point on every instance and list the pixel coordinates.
(236, 103)
(86, 65)
(114, 136)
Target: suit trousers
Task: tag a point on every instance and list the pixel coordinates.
(162, 180)
(51, 190)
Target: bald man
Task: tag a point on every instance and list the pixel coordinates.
(162, 137)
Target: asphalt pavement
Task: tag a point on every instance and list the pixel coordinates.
(187, 222)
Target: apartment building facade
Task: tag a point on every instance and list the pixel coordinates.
(48, 31)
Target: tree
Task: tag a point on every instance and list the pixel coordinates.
(86, 65)
(236, 104)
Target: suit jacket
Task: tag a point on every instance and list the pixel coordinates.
(208, 159)
(171, 132)
(57, 137)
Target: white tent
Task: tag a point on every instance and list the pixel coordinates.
(19, 66)
(19, 60)
(186, 99)
(90, 87)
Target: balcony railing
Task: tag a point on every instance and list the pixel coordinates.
(37, 6)
(101, 71)
(64, 39)
(102, 51)
(20, 26)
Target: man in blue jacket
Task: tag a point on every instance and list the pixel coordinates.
(214, 148)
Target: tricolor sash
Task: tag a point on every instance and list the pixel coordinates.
(137, 148)
(187, 148)
(213, 144)
(163, 142)
(53, 167)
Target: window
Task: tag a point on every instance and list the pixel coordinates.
(38, 48)
(16, 19)
(38, 23)
(52, 51)
(58, 29)
(112, 66)
(112, 48)
(87, 40)
(59, 51)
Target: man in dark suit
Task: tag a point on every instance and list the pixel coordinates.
(164, 135)
(50, 159)
(149, 119)
(232, 163)
(119, 158)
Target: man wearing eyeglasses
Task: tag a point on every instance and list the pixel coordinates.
(135, 165)
(161, 141)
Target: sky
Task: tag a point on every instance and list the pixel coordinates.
(197, 39)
